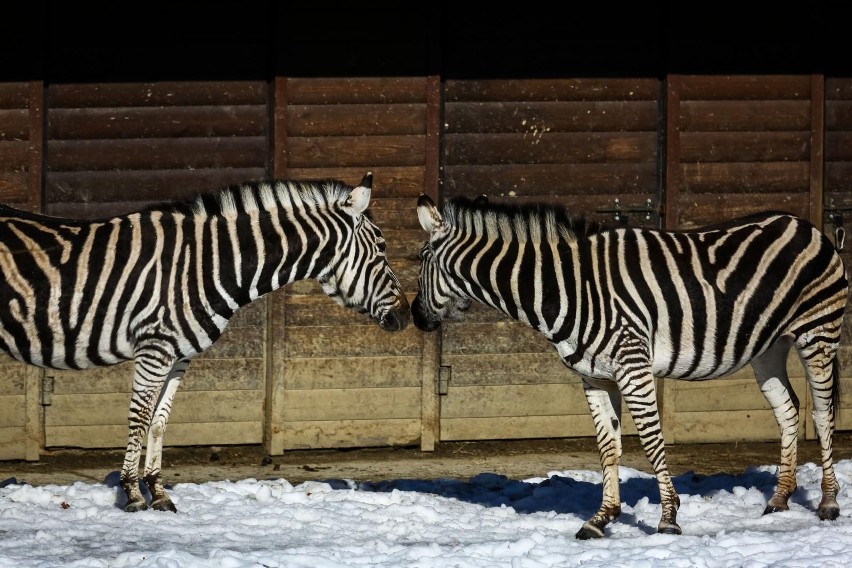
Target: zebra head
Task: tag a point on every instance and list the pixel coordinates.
(360, 276)
(438, 297)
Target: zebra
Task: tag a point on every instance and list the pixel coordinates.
(158, 287)
(623, 306)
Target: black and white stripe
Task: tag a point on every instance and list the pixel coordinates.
(626, 305)
(159, 286)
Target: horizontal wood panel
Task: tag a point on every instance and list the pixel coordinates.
(838, 146)
(352, 404)
(695, 210)
(586, 89)
(13, 155)
(534, 119)
(157, 94)
(354, 120)
(13, 187)
(157, 122)
(320, 310)
(742, 394)
(765, 177)
(360, 341)
(14, 94)
(746, 87)
(516, 427)
(319, 373)
(550, 148)
(195, 434)
(12, 410)
(14, 375)
(355, 90)
(725, 426)
(157, 153)
(513, 400)
(132, 190)
(350, 151)
(14, 124)
(710, 147)
(196, 406)
(503, 337)
(564, 181)
(838, 115)
(388, 181)
(508, 369)
(745, 116)
(203, 375)
(13, 443)
(351, 433)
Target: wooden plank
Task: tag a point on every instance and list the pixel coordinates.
(745, 115)
(388, 181)
(351, 434)
(838, 88)
(349, 151)
(745, 87)
(508, 369)
(514, 400)
(318, 373)
(196, 434)
(503, 337)
(701, 209)
(550, 148)
(817, 149)
(536, 118)
(196, 406)
(157, 153)
(726, 426)
(13, 155)
(333, 341)
(240, 342)
(356, 90)
(35, 149)
(730, 177)
(157, 122)
(13, 187)
(12, 443)
(838, 146)
(713, 147)
(14, 124)
(157, 94)
(13, 411)
(584, 89)
(353, 404)
(33, 414)
(14, 94)
(356, 119)
(557, 180)
(672, 182)
(516, 427)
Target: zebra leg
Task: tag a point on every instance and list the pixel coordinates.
(822, 369)
(770, 370)
(154, 449)
(605, 406)
(636, 382)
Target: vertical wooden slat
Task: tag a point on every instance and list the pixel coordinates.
(672, 170)
(280, 160)
(35, 148)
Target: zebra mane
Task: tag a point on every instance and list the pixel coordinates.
(255, 196)
(518, 219)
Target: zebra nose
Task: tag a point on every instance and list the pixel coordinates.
(396, 318)
(421, 321)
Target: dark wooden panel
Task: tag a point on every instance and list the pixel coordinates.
(838, 89)
(156, 153)
(14, 124)
(745, 86)
(585, 89)
(353, 120)
(838, 115)
(750, 177)
(350, 151)
(535, 118)
(697, 210)
(502, 337)
(838, 146)
(388, 181)
(14, 95)
(356, 90)
(523, 180)
(745, 146)
(745, 115)
(157, 94)
(13, 187)
(13, 155)
(550, 148)
(157, 122)
(838, 177)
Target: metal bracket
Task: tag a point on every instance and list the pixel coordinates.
(620, 214)
(835, 215)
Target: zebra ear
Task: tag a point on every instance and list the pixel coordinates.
(359, 197)
(428, 214)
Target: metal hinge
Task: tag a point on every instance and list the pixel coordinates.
(445, 374)
(620, 213)
(47, 390)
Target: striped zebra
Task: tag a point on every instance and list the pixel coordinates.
(159, 286)
(626, 305)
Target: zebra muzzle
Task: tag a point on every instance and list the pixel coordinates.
(395, 317)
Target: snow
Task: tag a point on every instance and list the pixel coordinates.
(486, 521)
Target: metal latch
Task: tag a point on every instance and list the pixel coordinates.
(620, 213)
(835, 215)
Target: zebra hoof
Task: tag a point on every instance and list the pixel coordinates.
(668, 528)
(828, 513)
(164, 505)
(774, 509)
(589, 531)
(135, 506)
